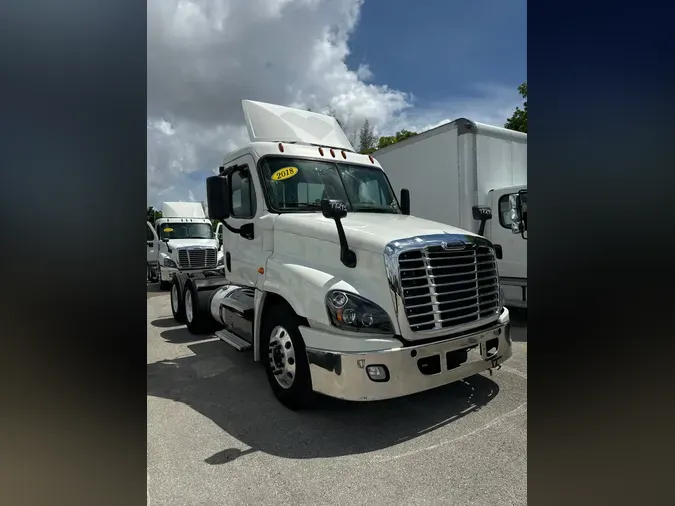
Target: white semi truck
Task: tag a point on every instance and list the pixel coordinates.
(461, 171)
(328, 279)
(182, 240)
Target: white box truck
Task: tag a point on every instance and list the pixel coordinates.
(328, 279)
(461, 171)
(182, 240)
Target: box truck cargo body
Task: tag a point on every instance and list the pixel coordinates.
(460, 165)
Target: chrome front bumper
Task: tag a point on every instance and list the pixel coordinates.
(168, 273)
(343, 375)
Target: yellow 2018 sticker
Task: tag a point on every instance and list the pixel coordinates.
(284, 173)
(167, 230)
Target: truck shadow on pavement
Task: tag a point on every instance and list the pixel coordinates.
(232, 391)
(165, 323)
(153, 290)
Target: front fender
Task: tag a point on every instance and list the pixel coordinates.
(305, 285)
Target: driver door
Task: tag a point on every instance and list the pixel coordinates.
(152, 244)
(514, 247)
(244, 256)
(219, 234)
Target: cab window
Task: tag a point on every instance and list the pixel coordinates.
(242, 194)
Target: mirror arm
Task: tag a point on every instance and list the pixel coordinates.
(347, 256)
(237, 231)
(231, 229)
(481, 228)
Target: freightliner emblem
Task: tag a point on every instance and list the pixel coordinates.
(453, 246)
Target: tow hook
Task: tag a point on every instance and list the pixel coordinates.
(496, 368)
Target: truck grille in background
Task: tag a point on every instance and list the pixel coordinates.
(446, 288)
(197, 258)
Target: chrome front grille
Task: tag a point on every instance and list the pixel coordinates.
(442, 289)
(197, 258)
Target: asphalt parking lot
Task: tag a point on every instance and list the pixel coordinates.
(216, 434)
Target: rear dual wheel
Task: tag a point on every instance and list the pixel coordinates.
(197, 317)
(177, 303)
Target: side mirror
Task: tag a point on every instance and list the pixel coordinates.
(336, 210)
(518, 207)
(218, 198)
(333, 209)
(482, 214)
(405, 201)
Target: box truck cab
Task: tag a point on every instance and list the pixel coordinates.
(329, 281)
(465, 174)
(182, 240)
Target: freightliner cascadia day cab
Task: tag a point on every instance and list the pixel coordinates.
(328, 279)
(461, 171)
(182, 240)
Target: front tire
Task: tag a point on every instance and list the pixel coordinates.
(163, 285)
(286, 364)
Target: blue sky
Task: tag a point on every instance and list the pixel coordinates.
(437, 49)
(429, 61)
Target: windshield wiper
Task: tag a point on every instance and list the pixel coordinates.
(374, 209)
(301, 205)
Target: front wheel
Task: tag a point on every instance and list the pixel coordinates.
(285, 359)
(163, 285)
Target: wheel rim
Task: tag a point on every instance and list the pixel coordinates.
(282, 357)
(174, 298)
(188, 306)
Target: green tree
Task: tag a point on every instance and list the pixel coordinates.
(385, 141)
(367, 138)
(518, 121)
(331, 112)
(153, 215)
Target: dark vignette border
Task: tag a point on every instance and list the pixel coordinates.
(601, 160)
(72, 302)
(73, 183)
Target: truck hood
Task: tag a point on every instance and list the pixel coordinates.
(183, 243)
(365, 231)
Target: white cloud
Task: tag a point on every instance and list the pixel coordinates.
(490, 104)
(205, 56)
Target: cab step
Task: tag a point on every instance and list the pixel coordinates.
(233, 340)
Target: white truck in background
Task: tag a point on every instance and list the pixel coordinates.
(462, 171)
(182, 240)
(328, 279)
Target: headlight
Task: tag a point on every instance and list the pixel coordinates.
(220, 261)
(169, 263)
(348, 311)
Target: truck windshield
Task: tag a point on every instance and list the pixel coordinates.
(296, 184)
(186, 231)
